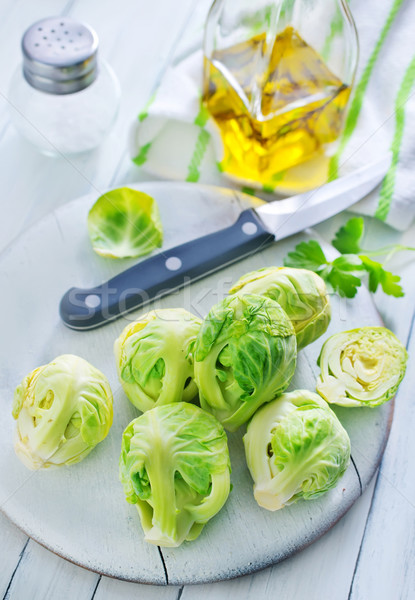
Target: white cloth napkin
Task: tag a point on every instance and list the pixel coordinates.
(174, 138)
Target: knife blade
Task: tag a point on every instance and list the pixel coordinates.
(165, 272)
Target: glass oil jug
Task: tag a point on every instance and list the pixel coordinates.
(277, 80)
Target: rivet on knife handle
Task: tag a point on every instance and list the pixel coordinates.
(161, 274)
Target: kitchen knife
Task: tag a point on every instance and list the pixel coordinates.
(254, 230)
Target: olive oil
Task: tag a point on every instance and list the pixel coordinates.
(276, 106)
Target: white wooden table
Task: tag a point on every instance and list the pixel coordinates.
(370, 552)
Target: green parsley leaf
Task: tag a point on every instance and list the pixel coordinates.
(343, 276)
(340, 274)
(348, 238)
(307, 255)
(345, 273)
(379, 276)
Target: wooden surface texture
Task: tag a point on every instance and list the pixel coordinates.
(369, 554)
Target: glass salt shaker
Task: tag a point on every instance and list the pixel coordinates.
(63, 100)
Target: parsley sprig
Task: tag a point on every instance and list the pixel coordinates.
(345, 273)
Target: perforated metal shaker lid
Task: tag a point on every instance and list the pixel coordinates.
(60, 55)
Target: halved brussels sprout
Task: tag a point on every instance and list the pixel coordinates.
(154, 358)
(301, 293)
(174, 466)
(125, 223)
(361, 367)
(295, 448)
(245, 355)
(63, 410)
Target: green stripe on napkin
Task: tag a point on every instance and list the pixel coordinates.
(197, 157)
(144, 113)
(357, 102)
(141, 157)
(386, 193)
(201, 144)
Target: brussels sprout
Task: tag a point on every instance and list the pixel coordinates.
(295, 448)
(174, 466)
(301, 293)
(125, 223)
(154, 358)
(245, 355)
(361, 367)
(63, 410)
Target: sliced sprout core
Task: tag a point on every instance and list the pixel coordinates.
(361, 367)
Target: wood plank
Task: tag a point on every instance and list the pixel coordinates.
(44, 576)
(139, 93)
(113, 589)
(137, 42)
(321, 571)
(386, 566)
(12, 544)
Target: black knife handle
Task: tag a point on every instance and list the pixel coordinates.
(161, 274)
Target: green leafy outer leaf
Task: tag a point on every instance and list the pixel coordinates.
(307, 255)
(154, 358)
(301, 293)
(174, 466)
(348, 238)
(361, 367)
(295, 448)
(63, 410)
(378, 275)
(245, 355)
(125, 223)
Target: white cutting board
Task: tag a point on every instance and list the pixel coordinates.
(79, 512)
